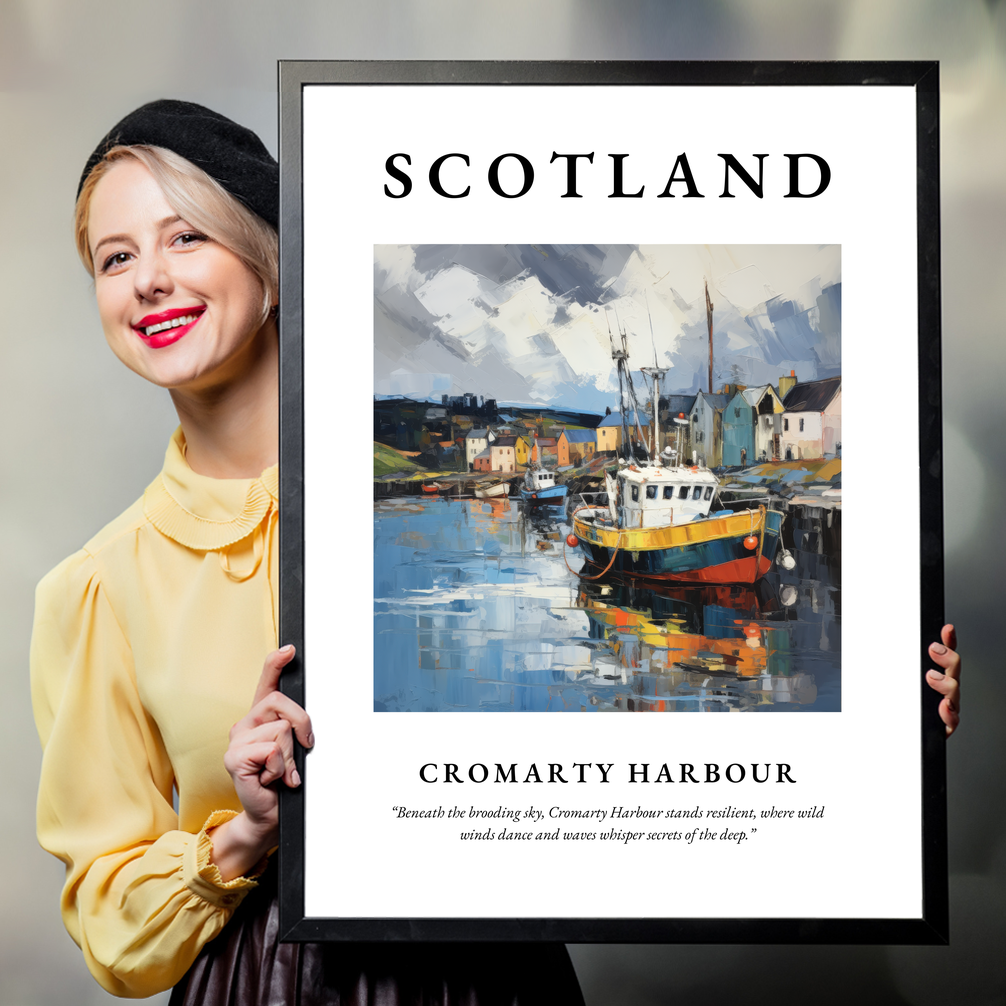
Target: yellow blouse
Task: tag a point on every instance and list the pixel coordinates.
(147, 647)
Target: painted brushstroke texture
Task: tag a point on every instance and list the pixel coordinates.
(486, 605)
(529, 323)
(472, 613)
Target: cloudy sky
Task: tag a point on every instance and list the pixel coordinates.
(530, 323)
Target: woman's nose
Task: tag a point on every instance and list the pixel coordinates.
(152, 277)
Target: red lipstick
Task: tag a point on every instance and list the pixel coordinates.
(166, 325)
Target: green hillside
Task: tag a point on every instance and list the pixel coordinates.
(388, 462)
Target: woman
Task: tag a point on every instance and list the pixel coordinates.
(149, 643)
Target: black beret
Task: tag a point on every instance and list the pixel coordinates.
(230, 154)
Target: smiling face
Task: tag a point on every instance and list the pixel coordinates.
(177, 307)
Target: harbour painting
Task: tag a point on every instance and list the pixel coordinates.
(607, 478)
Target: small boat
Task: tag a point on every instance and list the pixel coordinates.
(540, 487)
(491, 490)
(430, 488)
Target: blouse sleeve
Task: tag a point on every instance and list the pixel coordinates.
(141, 898)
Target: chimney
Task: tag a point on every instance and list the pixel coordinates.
(787, 384)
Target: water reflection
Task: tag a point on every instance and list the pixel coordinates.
(476, 609)
(709, 648)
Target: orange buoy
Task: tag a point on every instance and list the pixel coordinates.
(751, 541)
(751, 631)
(572, 541)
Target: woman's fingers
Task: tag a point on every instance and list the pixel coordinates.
(946, 656)
(270, 703)
(949, 710)
(261, 749)
(261, 761)
(947, 686)
(949, 636)
(271, 671)
(277, 706)
(277, 735)
(946, 681)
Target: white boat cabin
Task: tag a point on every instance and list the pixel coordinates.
(537, 479)
(658, 496)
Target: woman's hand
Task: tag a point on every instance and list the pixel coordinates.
(947, 682)
(260, 753)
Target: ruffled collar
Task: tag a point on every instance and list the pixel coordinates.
(203, 513)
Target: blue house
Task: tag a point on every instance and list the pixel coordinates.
(752, 424)
(738, 431)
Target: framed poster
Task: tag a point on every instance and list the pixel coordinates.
(637, 341)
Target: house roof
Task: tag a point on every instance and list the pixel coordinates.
(674, 404)
(812, 396)
(754, 395)
(717, 401)
(477, 434)
(615, 419)
(487, 454)
(580, 436)
(546, 441)
(505, 442)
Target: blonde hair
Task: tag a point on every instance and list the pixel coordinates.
(199, 200)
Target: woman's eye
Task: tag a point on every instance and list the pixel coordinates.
(114, 261)
(190, 238)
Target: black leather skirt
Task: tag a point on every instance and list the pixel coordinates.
(246, 965)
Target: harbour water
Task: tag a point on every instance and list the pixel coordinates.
(477, 608)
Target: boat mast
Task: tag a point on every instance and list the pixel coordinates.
(709, 324)
(655, 373)
(619, 356)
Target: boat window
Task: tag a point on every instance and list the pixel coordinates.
(651, 492)
(697, 493)
(683, 493)
(668, 492)
(635, 494)
(709, 493)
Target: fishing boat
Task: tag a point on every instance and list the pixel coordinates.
(491, 490)
(659, 522)
(540, 487)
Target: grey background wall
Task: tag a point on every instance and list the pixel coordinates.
(81, 436)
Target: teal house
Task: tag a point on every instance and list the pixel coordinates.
(752, 424)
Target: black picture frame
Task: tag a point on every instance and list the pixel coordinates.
(932, 925)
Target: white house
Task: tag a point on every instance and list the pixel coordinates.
(476, 441)
(812, 420)
(706, 428)
(503, 455)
